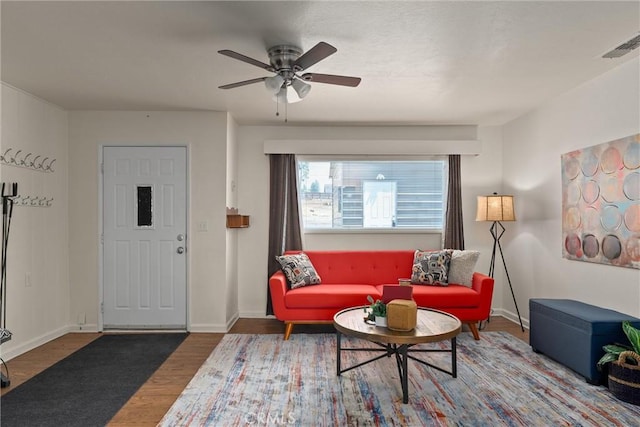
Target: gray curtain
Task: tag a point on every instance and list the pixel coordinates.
(454, 230)
(284, 215)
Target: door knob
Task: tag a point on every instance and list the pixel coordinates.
(180, 237)
(180, 250)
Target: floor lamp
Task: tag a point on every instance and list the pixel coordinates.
(497, 208)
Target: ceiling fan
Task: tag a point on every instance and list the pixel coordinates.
(288, 62)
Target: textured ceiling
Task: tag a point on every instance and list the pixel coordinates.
(421, 62)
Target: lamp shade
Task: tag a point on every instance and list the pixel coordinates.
(495, 207)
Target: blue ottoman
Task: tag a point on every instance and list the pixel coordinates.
(573, 333)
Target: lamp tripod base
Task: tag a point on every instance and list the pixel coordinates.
(497, 234)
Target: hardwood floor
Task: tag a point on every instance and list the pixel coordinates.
(155, 397)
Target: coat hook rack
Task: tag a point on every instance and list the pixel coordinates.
(33, 201)
(25, 160)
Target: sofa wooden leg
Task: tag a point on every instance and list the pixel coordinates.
(288, 328)
(474, 330)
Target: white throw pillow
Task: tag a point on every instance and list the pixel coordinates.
(462, 266)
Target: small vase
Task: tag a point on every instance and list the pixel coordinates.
(381, 321)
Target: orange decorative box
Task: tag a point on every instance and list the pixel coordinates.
(402, 315)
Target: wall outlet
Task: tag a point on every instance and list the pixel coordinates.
(27, 279)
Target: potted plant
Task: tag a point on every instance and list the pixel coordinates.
(377, 311)
(624, 366)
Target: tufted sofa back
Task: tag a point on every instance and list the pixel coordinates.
(361, 267)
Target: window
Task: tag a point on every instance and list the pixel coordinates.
(144, 205)
(372, 194)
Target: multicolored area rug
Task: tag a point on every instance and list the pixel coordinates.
(262, 380)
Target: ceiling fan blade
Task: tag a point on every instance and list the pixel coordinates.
(243, 58)
(243, 83)
(331, 79)
(314, 55)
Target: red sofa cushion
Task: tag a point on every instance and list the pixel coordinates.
(330, 296)
(361, 267)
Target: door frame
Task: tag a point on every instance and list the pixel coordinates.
(101, 224)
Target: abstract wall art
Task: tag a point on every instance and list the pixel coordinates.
(601, 203)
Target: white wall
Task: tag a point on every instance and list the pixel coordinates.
(480, 175)
(601, 110)
(37, 311)
(205, 134)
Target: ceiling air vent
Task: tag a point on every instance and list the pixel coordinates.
(624, 48)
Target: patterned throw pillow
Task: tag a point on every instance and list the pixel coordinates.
(431, 267)
(463, 264)
(299, 270)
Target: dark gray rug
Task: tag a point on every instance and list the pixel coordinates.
(88, 387)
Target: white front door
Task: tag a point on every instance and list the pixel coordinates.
(144, 237)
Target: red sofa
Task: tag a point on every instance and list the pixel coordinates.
(348, 277)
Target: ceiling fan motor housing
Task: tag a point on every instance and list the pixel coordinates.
(282, 58)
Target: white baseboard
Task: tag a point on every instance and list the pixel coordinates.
(36, 342)
(510, 316)
(87, 327)
(255, 315)
(232, 321)
(214, 327)
(208, 328)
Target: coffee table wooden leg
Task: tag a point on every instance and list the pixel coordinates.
(338, 345)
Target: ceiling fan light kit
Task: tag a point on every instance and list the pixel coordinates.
(274, 84)
(286, 96)
(301, 88)
(287, 62)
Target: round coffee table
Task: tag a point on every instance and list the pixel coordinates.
(432, 326)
